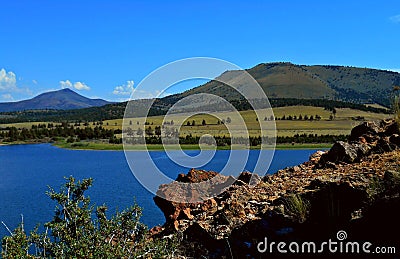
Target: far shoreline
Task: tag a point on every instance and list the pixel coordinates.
(92, 146)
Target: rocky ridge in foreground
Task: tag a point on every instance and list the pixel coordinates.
(354, 186)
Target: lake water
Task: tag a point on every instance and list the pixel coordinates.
(26, 171)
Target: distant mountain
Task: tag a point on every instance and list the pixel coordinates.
(64, 99)
(287, 80)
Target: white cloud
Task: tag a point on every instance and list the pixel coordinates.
(7, 97)
(125, 89)
(395, 18)
(34, 81)
(65, 84)
(8, 80)
(81, 86)
(77, 85)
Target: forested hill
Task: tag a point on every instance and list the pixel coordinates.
(287, 80)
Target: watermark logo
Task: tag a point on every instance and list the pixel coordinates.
(170, 120)
(341, 235)
(331, 246)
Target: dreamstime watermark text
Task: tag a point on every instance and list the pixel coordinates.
(332, 246)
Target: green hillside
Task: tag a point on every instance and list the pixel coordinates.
(286, 80)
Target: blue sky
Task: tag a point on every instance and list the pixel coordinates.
(105, 48)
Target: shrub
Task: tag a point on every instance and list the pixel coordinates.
(297, 207)
(79, 230)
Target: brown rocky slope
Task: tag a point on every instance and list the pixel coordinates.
(354, 186)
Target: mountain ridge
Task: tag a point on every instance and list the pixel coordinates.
(64, 99)
(287, 80)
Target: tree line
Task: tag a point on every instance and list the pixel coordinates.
(12, 134)
(160, 107)
(73, 134)
(228, 141)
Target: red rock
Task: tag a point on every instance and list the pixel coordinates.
(186, 212)
(156, 230)
(196, 176)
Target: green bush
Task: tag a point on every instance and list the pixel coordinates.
(297, 207)
(79, 230)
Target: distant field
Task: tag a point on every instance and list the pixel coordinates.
(375, 105)
(342, 123)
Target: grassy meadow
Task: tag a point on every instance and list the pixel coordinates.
(341, 124)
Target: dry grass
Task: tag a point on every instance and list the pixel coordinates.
(342, 123)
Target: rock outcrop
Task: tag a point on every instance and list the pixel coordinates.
(353, 186)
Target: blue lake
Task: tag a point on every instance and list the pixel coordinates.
(26, 171)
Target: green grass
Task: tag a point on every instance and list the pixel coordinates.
(304, 146)
(160, 147)
(297, 206)
(107, 146)
(89, 146)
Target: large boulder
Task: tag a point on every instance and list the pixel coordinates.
(196, 176)
(345, 152)
(367, 129)
(390, 127)
(249, 178)
(179, 201)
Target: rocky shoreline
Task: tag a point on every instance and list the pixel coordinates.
(355, 186)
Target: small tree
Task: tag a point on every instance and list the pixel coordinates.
(139, 132)
(129, 132)
(149, 131)
(157, 131)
